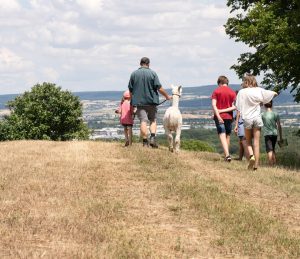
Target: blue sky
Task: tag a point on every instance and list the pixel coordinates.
(94, 45)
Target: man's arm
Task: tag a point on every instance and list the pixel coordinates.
(216, 111)
(164, 93)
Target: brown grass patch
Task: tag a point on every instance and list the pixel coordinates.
(99, 200)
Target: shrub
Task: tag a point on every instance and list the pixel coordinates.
(45, 112)
(196, 145)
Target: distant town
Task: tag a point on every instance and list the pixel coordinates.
(101, 117)
(99, 111)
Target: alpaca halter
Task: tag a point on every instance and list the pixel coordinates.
(177, 95)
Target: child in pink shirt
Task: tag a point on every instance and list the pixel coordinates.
(126, 117)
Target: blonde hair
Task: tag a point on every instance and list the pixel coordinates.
(249, 81)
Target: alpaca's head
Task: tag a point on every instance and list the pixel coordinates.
(176, 90)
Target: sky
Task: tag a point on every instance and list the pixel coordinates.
(94, 45)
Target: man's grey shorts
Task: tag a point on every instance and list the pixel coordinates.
(147, 113)
(253, 123)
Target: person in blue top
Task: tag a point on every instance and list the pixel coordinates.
(145, 87)
(240, 132)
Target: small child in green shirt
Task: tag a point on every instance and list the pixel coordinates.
(271, 129)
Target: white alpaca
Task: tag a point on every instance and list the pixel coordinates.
(173, 120)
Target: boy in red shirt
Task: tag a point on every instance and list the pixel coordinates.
(223, 98)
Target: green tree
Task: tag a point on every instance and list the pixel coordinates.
(45, 112)
(272, 29)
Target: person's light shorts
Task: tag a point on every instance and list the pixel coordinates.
(253, 123)
(147, 113)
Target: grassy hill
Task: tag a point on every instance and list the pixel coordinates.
(100, 200)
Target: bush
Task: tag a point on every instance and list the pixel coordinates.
(46, 112)
(288, 159)
(196, 145)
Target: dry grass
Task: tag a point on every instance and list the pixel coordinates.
(99, 200)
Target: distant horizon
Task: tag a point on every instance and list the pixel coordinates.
(91, 91)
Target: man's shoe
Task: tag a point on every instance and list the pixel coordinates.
(153, 143)
(251, 162)
(145, 143)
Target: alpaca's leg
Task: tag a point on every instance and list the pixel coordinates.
(170, 139)
(177, 139)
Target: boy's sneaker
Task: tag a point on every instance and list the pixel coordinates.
(251, 162)
(153, 143)
(228, 159)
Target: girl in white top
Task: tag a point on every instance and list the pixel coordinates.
(248, 104)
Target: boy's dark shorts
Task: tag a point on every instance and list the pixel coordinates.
(241, 138)
(147, 113)
(127, 126)
(225, 127)
(270, 141)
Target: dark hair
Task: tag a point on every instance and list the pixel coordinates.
(269, 105)
(145, 61)
(222, 80)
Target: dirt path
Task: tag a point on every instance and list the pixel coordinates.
(160, 227)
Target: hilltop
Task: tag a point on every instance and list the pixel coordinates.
(100, 200)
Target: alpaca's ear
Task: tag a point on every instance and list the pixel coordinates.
(180, 88)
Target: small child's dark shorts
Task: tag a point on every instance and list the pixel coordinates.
(270, 141)
(126, 126)
(225, 127)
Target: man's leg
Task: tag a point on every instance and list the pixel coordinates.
(142, 115)
(144, 133)
(152, 113)
(144, 130)
(153, 127)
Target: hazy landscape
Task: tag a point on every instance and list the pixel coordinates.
(195, 105)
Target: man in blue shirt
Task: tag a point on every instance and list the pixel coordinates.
(145, 87)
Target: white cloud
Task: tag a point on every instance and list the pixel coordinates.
(9, 6)
(10, 62)
(51, 75)
(96, 44)
(91, 6)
